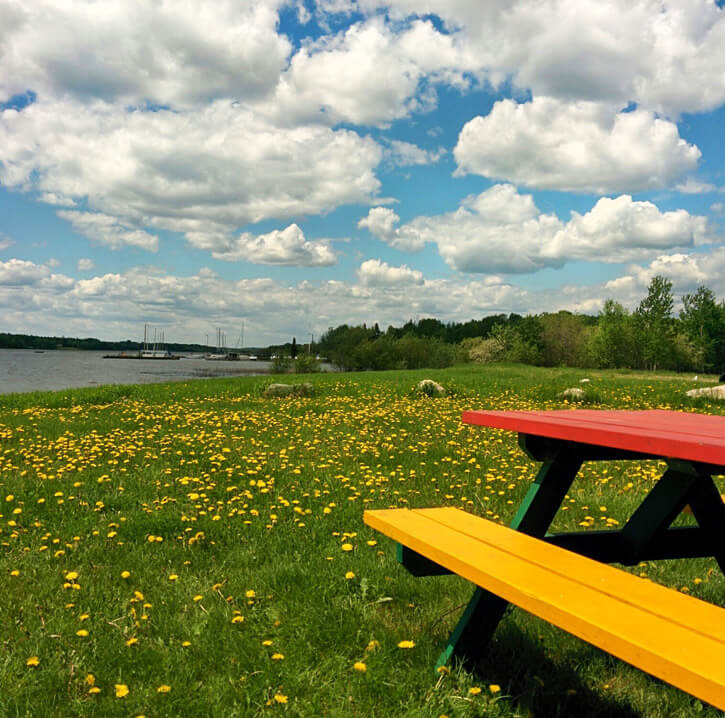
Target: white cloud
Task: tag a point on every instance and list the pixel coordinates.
(213, 169)
(669, 58)
(501, 230)
(132, 51)
(578, 146)
(405, 154)
(695, 186)
(374, 273)
(281, 247)
(5, 241)
(85, 265)
(109, 231)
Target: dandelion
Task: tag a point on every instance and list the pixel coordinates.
(125, 574)
(267, 642)
(373, 645)
(82, 633)
(360, 666)
(71, 575)
(186, 644)
(346, 547)
(494, 688)
(406, 644)
(280, 698)
(238, 619)
(198, 597)
(32, 661)
(163, 689)
(251, 593)
(94, 690)
(173, 577)
(121, 690)
(277, 656)
(15, 572)
(349, 575)
(474, 690)
(132, 641)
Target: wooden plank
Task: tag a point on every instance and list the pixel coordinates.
(676, 435)
(672, 636)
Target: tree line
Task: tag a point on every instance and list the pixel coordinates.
(650, 337)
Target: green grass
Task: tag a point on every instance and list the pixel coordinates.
(255, 501)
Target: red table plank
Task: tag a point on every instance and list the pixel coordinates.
(670, 434)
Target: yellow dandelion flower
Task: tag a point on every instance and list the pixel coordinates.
(163, 689)
(198, 597)
(349, 575)
(82, 633)
(186, 644)
(346, 547)
(267, 642)
(494, 688)
(32, 661)
(15, 572)
(121, 690)
(91, 679)
(360, 666)
(474, 690)
(280, 697)
(238, 619)
(277, 656)
(251, 594)
(132, 641)
(125, 574)
(406, 644)
(71, 575)
(373, 646)
(94, 690)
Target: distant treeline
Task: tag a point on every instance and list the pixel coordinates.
(26, 341)
(650, 337)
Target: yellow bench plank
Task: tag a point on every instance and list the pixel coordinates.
(675, 637)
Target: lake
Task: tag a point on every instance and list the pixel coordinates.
(23, 370)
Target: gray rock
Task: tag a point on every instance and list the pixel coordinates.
(430, 388)
(573, 392)
(710, 392)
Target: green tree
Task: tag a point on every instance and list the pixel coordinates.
(655, 326)
(614, 343)
(703, 321)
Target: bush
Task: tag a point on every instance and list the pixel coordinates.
(307, 364)
(281, 364)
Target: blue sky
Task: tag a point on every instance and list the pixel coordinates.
(297, 165)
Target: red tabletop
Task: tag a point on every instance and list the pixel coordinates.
(669, 434)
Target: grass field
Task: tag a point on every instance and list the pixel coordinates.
(195, 549)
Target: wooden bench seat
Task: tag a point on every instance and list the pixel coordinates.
(675, 637)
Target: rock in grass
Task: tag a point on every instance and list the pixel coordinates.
(573, 392)
(277, 390)
(430, 388)
(710, 392)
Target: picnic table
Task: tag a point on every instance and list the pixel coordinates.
(565, 578)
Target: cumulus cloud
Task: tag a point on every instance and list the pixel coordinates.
(405, 154)
(695, 186)
(132, 52)
(85, 265)
(281, 247)
(668, 58)
(109, 231)
(374, 273)
(574, 146)
(215, 168)
(501, 230)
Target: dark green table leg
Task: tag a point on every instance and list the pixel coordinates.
(708, 509)
(484, 611)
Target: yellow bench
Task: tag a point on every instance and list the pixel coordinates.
(673, 636)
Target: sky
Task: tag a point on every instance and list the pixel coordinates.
(292, 166)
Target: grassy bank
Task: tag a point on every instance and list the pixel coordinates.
(195, 549)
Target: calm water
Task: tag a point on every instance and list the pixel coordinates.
(24, 370)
